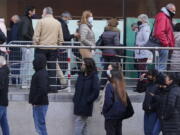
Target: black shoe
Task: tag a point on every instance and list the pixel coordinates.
(52, 91)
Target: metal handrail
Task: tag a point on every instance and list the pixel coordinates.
(88, 47)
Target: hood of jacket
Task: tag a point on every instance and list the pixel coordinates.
(39, 62)
(165, 11)
(113, 29)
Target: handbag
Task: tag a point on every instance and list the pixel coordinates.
(129, 109)
(2, 37)
(153, 42)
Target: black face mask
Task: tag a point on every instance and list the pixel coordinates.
(139, 23)
(171, 13)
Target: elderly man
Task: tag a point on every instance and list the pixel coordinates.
(64, 20)
(49, 32)
(4, 82)
(163, 31)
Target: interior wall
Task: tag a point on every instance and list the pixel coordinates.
(100, 8)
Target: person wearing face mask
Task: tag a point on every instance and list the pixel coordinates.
(86, 92)
(62, 55)
(169, 102)
(163, 32)
(87, 37)
(64, 20)
(149, 103)
(114, 66)
(142, 38)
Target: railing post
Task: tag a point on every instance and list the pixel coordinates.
(69, 66)
(156, 55)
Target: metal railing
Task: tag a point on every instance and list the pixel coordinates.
(22, 69)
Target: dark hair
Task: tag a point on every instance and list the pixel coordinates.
(90, 65)
(175, 77)
(160, 79)
(26, 12)
(177, 27)
(153, 72)
(118, 79)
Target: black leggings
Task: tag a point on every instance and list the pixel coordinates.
(113, 127)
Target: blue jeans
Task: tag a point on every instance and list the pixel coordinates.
(163, 59)
(149, 123)
(157, 127)
(39, 115)
(4, 121)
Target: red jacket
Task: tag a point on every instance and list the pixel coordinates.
(163, 30)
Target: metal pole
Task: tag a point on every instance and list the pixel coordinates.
(125, 20)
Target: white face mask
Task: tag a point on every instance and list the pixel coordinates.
(108, 72)
(90, 20)
(67, 21)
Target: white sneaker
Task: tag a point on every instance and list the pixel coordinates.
(25, 87)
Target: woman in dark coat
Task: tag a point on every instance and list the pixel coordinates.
(117, 105)
(110, 37)
(171, 111)
(169, 105)
(86, 92)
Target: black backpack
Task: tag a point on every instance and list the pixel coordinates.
(2, 37)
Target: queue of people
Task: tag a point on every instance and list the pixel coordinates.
(161, 103)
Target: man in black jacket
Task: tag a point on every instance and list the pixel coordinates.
(38, 96)
(4, 82)
(26, 28)
(64, 20)
(25, 33)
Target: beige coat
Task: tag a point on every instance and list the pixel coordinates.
(87, 38)
(48, 31)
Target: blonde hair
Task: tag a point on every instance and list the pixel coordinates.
(85, 16)
(113, 22)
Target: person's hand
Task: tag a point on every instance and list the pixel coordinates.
(152, 94)
(93, 52)
(77, 35)
(142, 76)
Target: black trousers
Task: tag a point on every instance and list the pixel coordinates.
(108, 60)
(51, 56)
(113, 127)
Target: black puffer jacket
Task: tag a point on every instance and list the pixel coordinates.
(39, 83)
(150, 104)
(4, 82)
(110, 37)
(171, 111)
